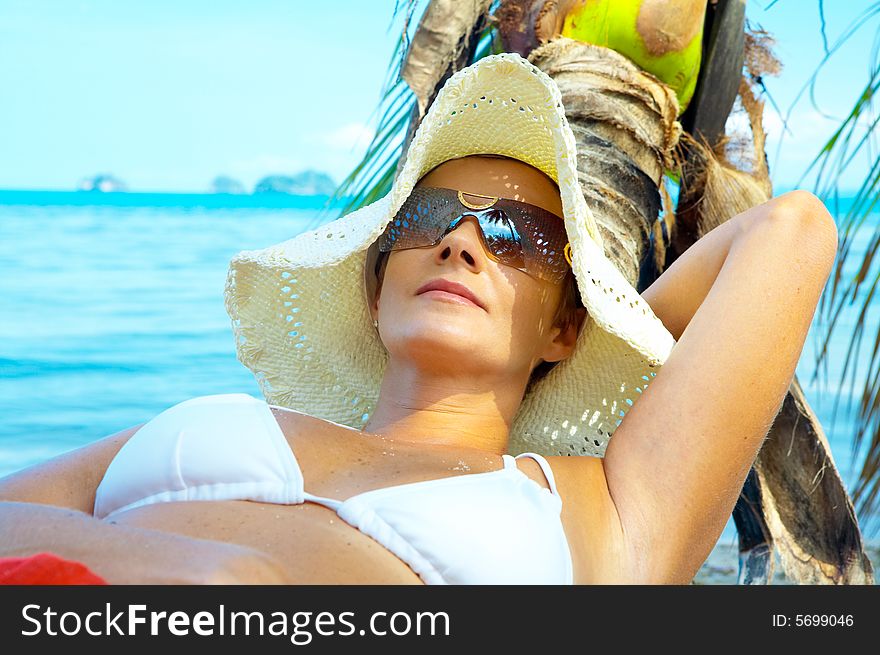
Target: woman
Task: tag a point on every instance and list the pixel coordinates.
(383, 457)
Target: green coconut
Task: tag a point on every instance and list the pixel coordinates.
(663, 37)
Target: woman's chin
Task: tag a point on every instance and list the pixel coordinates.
(461, 340)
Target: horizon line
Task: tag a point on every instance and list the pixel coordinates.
(98, 193)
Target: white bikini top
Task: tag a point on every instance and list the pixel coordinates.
(498, 527)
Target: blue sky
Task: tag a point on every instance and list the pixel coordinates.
(167, 95)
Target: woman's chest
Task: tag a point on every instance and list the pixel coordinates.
(313, 544)
(481, 530)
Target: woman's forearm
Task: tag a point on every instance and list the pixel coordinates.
(678, 293)
(128, 555)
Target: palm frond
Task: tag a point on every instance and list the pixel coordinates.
(854, 284)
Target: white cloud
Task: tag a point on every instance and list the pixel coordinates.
(791, 147)
(353, 136)
(339, 150)
(335, 152)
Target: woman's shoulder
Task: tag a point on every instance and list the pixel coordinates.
(576, 469)
(581, 481)
(590, 517)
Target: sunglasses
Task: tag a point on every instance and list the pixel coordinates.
(515, 233)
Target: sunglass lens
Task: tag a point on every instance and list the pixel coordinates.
(502, 238)
(543, 240)
(513, 236)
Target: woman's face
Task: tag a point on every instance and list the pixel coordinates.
(512, 329)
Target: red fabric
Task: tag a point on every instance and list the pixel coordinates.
(46, 569)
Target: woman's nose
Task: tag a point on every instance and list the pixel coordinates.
(464, 242)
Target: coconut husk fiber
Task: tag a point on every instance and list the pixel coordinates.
(624, 121)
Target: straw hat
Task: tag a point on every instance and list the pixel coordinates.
(300, 312)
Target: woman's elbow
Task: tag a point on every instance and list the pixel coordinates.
(810, 223)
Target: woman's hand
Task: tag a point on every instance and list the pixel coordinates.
(126, 555)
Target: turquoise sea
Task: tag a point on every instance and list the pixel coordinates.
(111, 310)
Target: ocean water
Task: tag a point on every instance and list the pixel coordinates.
(111, 310)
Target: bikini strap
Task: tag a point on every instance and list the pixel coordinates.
(283, 446)
(545, 467)
(321, 500)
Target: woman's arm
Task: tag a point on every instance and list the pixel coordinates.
(48, 508)
(69, 480)
(127, 555)
(740, 302)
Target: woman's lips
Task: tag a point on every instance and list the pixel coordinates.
(442, 289)
(437, 294)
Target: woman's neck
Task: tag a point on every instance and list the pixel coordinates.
(453, 410)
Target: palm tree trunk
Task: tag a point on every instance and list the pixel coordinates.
(624, 124)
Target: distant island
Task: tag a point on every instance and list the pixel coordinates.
(102, 182)
(307, 183)
(224, 184)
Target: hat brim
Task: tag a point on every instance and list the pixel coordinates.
(300, 313)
